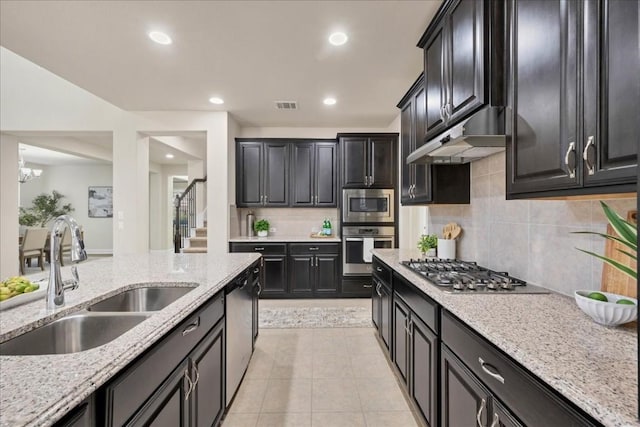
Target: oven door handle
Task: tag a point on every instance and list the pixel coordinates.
(354, 239)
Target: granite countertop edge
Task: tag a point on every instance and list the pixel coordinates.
(603, 396)
(109, 358)
(285, 239)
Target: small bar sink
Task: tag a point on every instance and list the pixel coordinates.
(141, 299)
(71, 334)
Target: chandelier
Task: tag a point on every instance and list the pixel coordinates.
(26, 174)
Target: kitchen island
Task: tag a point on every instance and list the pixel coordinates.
(592, 366)
(39, 390)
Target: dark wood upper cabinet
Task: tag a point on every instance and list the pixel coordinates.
(262, 174)
(426, 183)
(462, 62)
(611, 91)
(573, 95)
(314, 174)
(544, 150)
(368, 160)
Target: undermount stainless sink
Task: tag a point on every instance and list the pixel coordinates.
(141, 299)
(71, 334)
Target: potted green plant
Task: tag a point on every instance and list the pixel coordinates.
(428, 244)
(627, 235)
(45, 208)
(261, 226)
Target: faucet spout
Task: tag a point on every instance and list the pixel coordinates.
(55, 290)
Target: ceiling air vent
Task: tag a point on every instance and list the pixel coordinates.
(286, 105)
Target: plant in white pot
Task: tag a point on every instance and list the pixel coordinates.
(261, 226)
(428, 244)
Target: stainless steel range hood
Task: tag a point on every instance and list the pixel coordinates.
(481, 135)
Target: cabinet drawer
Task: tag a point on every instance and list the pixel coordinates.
(263, 248)
(423, 306)
(529, 399)
(314, 248)
(135, 384)
(381, 270)
(357, 287)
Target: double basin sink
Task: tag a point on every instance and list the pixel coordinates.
(101, 323)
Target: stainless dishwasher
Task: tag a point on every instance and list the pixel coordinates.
(239, 330)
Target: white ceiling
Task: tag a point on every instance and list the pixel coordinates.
(86, 148)
(250, 53)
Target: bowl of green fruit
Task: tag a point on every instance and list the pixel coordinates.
(606, 308)
(18, 290)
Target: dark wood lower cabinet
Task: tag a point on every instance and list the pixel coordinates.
(208, 373)
(169, 405)
(275, 275)
(502, 417)
(464, 400)
(400, 340)
(423, 372)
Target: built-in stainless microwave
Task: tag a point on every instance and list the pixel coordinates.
(367, 205)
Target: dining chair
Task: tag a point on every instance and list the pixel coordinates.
(33, 246)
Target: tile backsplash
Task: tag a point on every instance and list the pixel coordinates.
(288, 222)
(531, 239)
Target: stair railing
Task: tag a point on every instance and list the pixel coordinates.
(185, 216)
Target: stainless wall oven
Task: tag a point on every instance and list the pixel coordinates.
(367, 205)
(357, 243)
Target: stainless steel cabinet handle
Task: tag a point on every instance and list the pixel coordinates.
(314, 248)
(378, 289)
(591, 166)
(367, 286)
(258, 248)
(448, 109)
(370, 179)
(489, 372)
(410, 325)
(189, 382)
(259, 288)
(378, 269)
(256, 271)
(442, 112)
(571, 169)
(413, 191)
(195, 382)
(483, 404)
(192, 327)
(496, 420)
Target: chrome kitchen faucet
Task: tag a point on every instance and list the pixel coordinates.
(55, 290)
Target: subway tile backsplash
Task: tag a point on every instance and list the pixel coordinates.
(531, 239)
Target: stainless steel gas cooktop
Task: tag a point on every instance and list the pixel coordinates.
(455, 276)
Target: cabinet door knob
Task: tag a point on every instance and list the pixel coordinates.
(591, 166)
(570, 161)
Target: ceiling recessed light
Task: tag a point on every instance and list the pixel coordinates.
(160, 37)
(169, 156)
(216, 100)
(329, 101)
(338, 39)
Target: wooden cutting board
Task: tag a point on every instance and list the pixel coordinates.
(613, 280)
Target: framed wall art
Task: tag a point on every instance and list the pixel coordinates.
(100, 202)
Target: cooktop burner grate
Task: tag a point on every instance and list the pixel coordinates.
(458, 276)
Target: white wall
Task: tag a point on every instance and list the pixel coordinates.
(73, 182)
(34, 99)
(8, 206)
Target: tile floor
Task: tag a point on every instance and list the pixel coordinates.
(323, 377)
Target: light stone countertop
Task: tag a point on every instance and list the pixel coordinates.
(593, 366)
(39, 390)
(285, 239)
